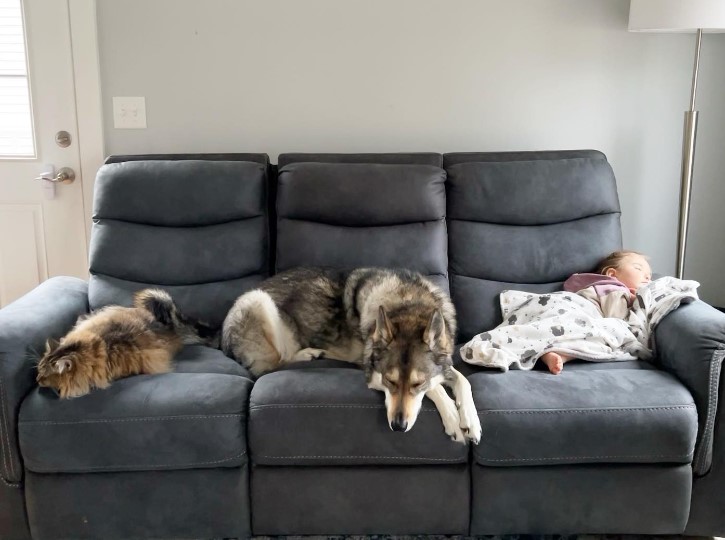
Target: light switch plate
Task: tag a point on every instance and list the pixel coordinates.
(129, 112)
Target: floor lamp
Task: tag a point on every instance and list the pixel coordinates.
(681, 16)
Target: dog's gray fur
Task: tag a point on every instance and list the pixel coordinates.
(396, 324)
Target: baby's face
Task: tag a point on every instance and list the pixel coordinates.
(634, 271)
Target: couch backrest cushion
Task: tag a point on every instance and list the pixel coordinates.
(526, 221)
(362, 210)
(196, 227)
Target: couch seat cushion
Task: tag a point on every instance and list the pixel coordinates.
(328, 416)
(194, 418)
(200, 359)
(583, 416)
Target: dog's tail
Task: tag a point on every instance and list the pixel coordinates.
(162, 307)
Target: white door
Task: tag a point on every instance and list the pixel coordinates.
(42, 231)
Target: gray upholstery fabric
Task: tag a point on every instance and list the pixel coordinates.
(379, 186)
(583, 416)
(525, 221)
(402, 158)
(323, 416)
(346, 215)
(262, 159)
(360, 500)
(416, 158)
(188, 193)
(49, 310)
(420, 247)
(455, 158)
(478, 305)
(199, 224)
(201, 359)
(529, 254)
(13, 523)
(708, 495)
(176, 255)
(691, 345)
(218, 297)
(580, 499)
(202, 503)
(565, 190)
(145, 422)
(254, 158)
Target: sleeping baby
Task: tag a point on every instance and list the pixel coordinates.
(606, 316)
(612, 289)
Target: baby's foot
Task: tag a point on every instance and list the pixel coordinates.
(554, 362)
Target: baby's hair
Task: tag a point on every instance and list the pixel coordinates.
(613, 260)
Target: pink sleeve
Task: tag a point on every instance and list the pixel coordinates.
(571, 284)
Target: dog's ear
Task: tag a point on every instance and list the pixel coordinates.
(383, 329)
(51, 344)
(435, 335)
(63, 364)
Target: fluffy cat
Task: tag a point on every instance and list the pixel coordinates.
(116, 342)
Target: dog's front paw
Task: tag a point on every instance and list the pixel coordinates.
(458, 436)
(452, 425)
(305, 355)
(470, 423)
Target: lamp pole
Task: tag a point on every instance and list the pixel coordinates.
(688, 162)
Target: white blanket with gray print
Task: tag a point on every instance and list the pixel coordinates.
(563, 322)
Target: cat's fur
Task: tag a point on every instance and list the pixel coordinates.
(116, 342)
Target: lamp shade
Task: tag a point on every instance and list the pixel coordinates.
(676, 15)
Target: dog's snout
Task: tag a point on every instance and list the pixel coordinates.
(399, 423)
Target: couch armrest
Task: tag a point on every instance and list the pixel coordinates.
(690, 344)
(49, 310)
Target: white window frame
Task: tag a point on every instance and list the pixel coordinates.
(33, 130)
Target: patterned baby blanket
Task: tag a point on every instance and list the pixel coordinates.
(563, 322)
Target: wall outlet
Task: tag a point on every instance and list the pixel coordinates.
(129, 112)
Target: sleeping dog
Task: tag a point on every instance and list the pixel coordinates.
(396, 324)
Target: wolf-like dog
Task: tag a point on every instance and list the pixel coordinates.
(396, 324)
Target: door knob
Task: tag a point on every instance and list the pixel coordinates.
(65, 175)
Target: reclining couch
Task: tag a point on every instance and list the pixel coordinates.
(208, 452)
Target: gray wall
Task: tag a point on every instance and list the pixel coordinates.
(431, 75)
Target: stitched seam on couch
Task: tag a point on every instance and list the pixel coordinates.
(614, 212)
(178, 226)
(10, 484)
(574, 458)
(582, 411)
(95, 273)
(451, 460)
(325, 406)
(140, 467)
(517, 161)
(376, 226)
(707, 436)
(5, 428)
(118, 420)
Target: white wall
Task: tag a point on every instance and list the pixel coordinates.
(431, 75)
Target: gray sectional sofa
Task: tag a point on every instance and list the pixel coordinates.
(206, 452)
